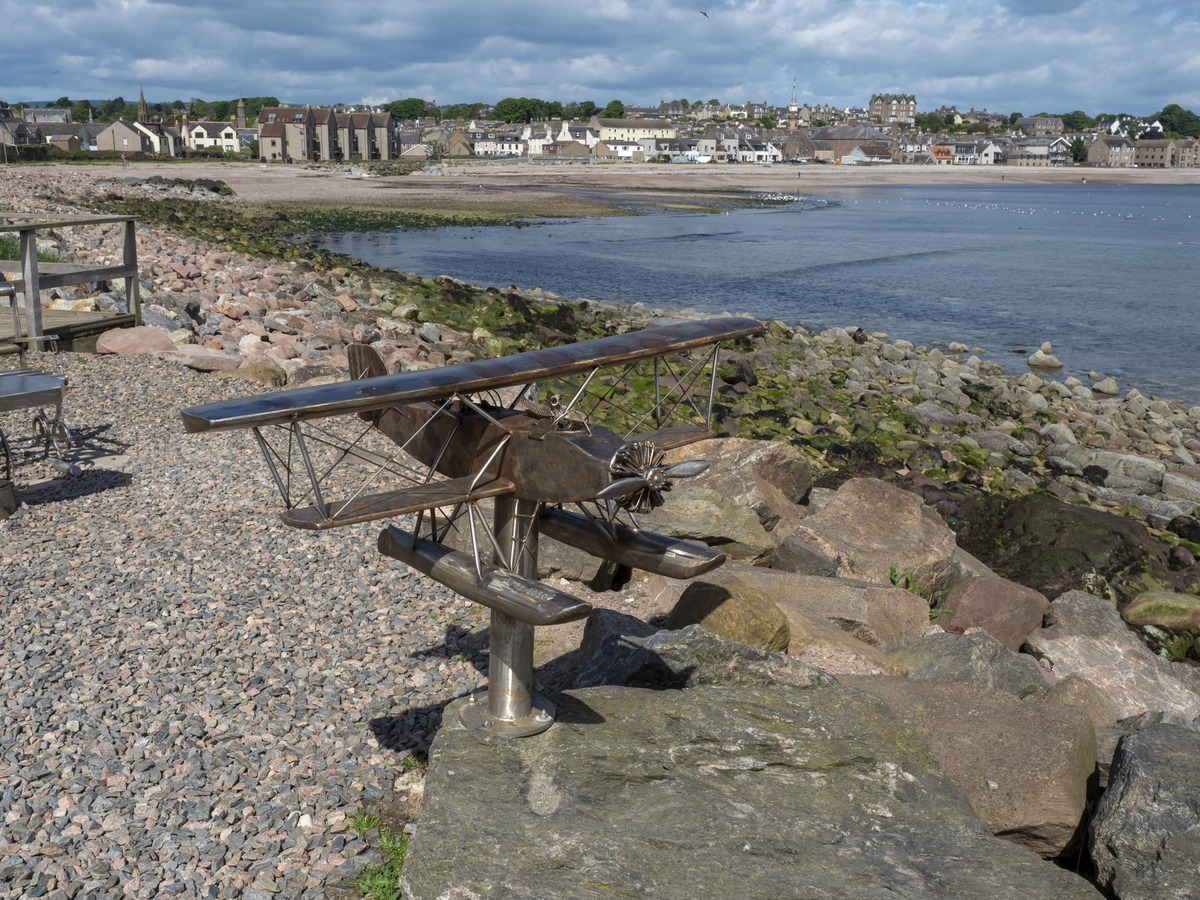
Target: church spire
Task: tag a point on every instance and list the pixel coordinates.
(143, 113)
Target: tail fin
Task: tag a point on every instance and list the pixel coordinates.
(365, 361)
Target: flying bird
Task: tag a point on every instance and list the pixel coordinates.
(703, 13)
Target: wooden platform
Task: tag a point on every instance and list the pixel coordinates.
(30, 276)
(75, 330)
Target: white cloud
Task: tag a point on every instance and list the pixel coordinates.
(1026, 55)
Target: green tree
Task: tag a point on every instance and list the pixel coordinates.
(462, 111)
(767, 122)
(1077, 121)
(1012, 118)
(1078, 150)
(110, 110)
(580, 109)
(614, 110)
(61, 103)
(412, 108)
(1178, 122)
(81, 110)
(516, 109)
(930, 122)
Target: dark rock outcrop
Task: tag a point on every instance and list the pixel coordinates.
(1145, 838)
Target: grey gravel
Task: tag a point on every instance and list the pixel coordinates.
(196, 699)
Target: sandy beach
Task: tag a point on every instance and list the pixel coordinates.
(526, 188)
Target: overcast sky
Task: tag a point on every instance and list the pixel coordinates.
(1027, 56)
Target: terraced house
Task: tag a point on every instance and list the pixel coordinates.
(305, 133)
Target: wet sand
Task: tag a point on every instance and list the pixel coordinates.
(554, 189)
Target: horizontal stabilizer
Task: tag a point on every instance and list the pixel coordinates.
(522, 598)
(673, 557)
(396, 503)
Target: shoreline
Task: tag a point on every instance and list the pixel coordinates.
(527, 189)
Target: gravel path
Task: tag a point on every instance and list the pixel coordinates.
(195, 699)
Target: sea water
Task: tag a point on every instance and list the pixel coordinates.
(1109, 274)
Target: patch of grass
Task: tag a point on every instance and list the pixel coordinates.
(363, 821)
(10, 248)
(1178, 647)
(417, 760)
(381, 881)
(931, 593)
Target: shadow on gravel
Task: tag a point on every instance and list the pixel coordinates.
(90, 481)
(412, 730)
(94, 443)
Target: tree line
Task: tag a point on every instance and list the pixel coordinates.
(1177, 122)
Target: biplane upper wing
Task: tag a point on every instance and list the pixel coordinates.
(365, 395)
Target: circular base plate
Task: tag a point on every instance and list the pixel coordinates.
(475, 716)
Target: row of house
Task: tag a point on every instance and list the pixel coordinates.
(306, 133)
(1103, 151)
(120, 136)
(284, 133)
(648, 139)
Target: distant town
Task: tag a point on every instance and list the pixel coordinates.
(888, 130)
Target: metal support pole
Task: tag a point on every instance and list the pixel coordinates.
(512, 707)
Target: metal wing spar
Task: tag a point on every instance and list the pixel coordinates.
(365, 395)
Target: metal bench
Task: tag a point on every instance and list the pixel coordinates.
(26, 388)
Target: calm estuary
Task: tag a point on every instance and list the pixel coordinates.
(1110, 274)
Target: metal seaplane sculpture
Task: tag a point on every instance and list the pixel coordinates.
(569, 442)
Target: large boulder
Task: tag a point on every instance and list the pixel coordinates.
(874, 613)
(620, 649)
(769, 477)
(713, 791)
(976, 660)
(1084, 635)
(1169, 609)
(1145, 836)
(1023, 767)
(1052, 547)
(735, 610)
(877, 532)
(750, 488)
(141, 339)
(1004, 609)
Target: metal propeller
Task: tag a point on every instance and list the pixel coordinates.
(640, 478)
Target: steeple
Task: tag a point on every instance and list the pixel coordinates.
(143, 114)
(793, 114)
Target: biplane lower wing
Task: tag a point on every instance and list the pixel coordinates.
(367, 394)
(370, 507)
